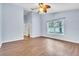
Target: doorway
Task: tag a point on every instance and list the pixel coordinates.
(27, 31)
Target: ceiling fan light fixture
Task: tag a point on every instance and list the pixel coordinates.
(43, 8)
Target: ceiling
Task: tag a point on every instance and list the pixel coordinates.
(55, 7)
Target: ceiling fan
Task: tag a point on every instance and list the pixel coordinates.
(42, 8)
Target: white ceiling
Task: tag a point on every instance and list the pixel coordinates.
(55, 7)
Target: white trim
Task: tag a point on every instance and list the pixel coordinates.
(35, 36)
(12, 40)
(73, 41)
(0, 45)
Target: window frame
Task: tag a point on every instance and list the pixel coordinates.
(62, 21)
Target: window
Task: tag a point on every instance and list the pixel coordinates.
(55, 26)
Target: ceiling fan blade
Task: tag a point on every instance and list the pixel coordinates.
(34, 8)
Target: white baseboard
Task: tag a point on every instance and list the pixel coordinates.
(69, 40)
(12, 40)
(35, 36)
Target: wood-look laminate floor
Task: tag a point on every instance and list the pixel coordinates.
(39, 47)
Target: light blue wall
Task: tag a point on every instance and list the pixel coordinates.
(36, 25)
(28, 18)
(13, 23)
(0, 23)
(71, 22)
